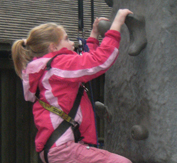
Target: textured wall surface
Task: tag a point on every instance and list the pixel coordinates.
(142, 89)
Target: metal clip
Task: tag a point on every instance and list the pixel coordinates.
(85, 88)
(74, 123)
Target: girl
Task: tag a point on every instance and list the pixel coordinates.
(58, 86)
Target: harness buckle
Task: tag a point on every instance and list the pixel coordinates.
(85, 88)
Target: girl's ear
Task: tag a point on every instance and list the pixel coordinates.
(52, 47)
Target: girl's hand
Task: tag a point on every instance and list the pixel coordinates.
(120, 19)
(94, 33)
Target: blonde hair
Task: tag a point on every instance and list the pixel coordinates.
(36, 45)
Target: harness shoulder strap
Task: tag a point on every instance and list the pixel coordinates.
(48, 66)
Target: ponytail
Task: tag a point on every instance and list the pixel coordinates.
(20, 56)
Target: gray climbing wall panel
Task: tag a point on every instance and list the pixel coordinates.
(142, 90)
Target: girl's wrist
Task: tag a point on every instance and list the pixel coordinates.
(116, 26)
(94, 35)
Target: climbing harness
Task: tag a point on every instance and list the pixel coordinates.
(68, 122)
(68, 118)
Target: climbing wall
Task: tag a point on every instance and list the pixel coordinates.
(141, 87)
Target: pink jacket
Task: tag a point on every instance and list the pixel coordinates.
(59, 86)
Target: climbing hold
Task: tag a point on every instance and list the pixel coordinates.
(109, 2)
(139, 132)
(103, 26)
(136, 27)
(102, 111)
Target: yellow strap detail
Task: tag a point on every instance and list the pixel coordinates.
(55, 110)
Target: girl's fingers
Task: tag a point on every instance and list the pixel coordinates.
(103, 18)
(125, 11)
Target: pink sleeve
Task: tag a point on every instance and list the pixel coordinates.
(76, 68)
(92, 43)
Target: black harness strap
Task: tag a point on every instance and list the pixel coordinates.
(48, 66)
(64, 125)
